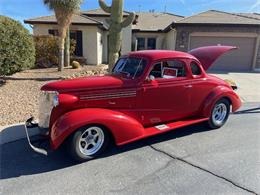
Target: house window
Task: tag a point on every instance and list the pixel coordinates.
(140, 44)
(53, 32)
(146, 43)
(151, 43)
(75, 35)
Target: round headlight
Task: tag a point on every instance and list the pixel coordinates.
(55, 100)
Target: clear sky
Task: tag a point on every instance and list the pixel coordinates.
(24, 9)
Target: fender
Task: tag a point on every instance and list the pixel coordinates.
(121, 126)
(216, 94)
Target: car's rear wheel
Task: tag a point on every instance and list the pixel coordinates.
(88, 143)
(219, 114)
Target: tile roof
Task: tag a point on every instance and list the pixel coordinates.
(76, 19)
(218, 17)
(250, 15)
(98, 12)
(154, 21)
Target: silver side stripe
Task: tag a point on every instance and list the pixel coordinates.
(108, 96)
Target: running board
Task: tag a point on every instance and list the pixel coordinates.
(171, 126)
(158, 129)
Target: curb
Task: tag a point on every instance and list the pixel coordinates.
(15, 132)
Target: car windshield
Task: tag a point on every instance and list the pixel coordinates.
(131, 67)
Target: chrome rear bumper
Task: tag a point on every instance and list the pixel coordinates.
(29, 124)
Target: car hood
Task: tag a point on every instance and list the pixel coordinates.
(83, 83)
(208, 55)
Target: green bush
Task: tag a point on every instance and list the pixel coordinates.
(17, 50)
(47, 50)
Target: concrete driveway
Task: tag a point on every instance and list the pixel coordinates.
(190, 160)
(249, 84)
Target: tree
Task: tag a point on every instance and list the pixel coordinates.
(116, 24)
(17, 50)
(67, 49)
(64, 10)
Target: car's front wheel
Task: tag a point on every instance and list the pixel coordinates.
(88, 142)
(219, 114)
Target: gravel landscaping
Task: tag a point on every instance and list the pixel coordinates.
(19, 93)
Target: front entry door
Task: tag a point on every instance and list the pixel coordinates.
(166, 97)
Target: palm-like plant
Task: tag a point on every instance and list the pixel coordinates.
(64, 10)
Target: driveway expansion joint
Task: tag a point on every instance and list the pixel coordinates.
(202, 169)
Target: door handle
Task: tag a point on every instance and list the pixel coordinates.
(188, 86)
(112, 102)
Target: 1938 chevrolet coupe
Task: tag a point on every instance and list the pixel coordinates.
(148, 93)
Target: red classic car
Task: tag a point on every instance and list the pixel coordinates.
(147, 93)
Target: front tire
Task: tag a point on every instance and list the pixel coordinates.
(88, 143)
(219, 114)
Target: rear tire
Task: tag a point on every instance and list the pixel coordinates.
(219, 114)
(88, 142)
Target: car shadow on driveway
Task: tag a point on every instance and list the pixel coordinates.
(17, 159)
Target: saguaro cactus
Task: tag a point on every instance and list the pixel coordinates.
(116, 24)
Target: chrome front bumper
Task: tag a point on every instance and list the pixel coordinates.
(29, 124)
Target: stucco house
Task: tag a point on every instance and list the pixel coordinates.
(165, 31)
(90, 30)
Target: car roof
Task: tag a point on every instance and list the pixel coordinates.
(154, 55)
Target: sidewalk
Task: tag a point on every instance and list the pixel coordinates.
(248, 83)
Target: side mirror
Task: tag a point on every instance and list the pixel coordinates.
(150, 78)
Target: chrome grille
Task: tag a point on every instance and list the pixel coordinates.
(45, 108)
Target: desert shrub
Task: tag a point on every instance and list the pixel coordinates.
(75, 65)
(17, 50)
(47, 50)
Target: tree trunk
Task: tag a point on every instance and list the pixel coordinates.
(61, 54)
(67, 49)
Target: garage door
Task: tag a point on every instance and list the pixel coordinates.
(235, 61)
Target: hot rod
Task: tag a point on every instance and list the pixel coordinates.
(147, 93)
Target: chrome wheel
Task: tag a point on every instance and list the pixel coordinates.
(219, 114)
(91, 140)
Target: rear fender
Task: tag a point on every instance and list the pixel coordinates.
(121, 126)
(215, 95)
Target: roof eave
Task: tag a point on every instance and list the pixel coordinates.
(52, 22)
(147, 31)
(213, 24)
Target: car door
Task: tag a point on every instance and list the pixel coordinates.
(201, 87)
(165, 95)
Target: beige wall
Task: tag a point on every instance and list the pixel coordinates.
(126, 41)
(91, 38)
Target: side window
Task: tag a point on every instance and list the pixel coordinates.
(169, 69)
(157, 70)
(173, 69)
(195, 69)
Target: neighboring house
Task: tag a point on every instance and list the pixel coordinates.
(216, 27)
(165, 31)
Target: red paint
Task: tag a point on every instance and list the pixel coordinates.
(131, 108)
(208, 55)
